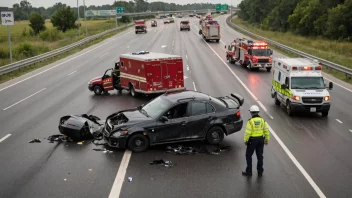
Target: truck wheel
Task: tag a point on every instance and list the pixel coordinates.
(97, 89)
(180, 29)
(215, 135)
(189, 29)
(138, 143)
(217, 40)
(277, 101)
(324, 114)
(132, 91)
(250, 66)
(288, 108)
(136, 32)
(268, 69)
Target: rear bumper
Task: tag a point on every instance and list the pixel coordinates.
(261, 65)
(234, 127)
(298, 107)
(160, 91)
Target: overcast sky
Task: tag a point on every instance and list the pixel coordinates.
(48, 3)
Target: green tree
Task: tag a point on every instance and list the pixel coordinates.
(64, 19)
(339, 24)
(37, 22)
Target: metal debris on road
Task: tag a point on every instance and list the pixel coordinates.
(162, 162)
(181, 150)
(99, 149)
(35, 141)
(97, 143)
(189, 150)
(59, 138)
(79, 142)
(129, 179)
(90, 170)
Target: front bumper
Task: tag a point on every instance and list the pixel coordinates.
(298, 107)
(234, 127)
(261, 65)
(90, 87)
(120, 142)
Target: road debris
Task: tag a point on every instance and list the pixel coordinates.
(35, 141)
(79, 142)
(90, 170)
(181, 150)
(59, 138)
(98, 142)
(162, 162)
(129, 179)
(190, 150)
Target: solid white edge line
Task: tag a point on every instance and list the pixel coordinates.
(187, 68)
(222, 42)
(194, 85)
(5, 137)
(117, 186)
(23, 99)
(264, 108)
(118, 36)
(339, 121)
(103, 55)
(339, 85)
(186, 57)
(72, 73)
(283, 146)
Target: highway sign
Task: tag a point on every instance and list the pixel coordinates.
(7, 18)
(218, 7)
(95, 13)
(224, 7)
(120, 9)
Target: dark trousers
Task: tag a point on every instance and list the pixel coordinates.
(255, 144)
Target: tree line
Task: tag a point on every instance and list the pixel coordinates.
(328, 18)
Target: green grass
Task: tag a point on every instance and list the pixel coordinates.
(21, 71)
(334, 51)
(20, 35)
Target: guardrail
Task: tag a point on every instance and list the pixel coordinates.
(340, 68)
(35, 59)
(169, 12)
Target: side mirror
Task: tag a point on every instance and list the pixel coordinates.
(283, 86)
(331, 85)
(163, 119)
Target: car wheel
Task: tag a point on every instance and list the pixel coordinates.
(133, 91)
(138, 143)
(277, 101)
(288, 108)
(97, 90)
(268, 69)
(324, 114)
(215, 135)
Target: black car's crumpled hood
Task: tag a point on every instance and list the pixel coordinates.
(127, 118)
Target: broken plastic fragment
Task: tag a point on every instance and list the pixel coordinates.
(99, 149)
(79, 142)
(90, 170)
(162, 162)
(35, 141)
(105, 151)
(129, 179)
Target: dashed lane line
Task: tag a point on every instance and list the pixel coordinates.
(339, 121)
(72, 73)
(24, 99)
(4, 138)
(283, 146)
(194, 85)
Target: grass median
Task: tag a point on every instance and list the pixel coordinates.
(334, 51)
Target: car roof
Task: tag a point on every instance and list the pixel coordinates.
(174, 97)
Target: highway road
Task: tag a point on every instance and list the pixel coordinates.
(308, 156)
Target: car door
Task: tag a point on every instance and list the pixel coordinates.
(175, 128)
(107, 80)
(199, 119)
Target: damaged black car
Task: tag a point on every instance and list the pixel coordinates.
(175, 117)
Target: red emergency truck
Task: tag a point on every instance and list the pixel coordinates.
(140, 26)
(142, 72)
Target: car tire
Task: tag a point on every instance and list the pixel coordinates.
(277, 101)
(97, 90)
(133, 91)
(138, 143)
(215, 135)
(324, 114)
(288, 108)
(217, 40)
(268, 69)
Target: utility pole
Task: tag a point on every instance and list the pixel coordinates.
(79, 24)
(85, 18)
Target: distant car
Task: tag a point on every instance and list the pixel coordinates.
(171, 19)
(184, 25)
(166, 21)
(175, 117)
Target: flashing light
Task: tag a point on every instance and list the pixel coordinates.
(125, 132)
(326, 98)
(270, 60)
(254, 59)
(295, 97)
(307, 68)
(294, 68)
(319, 68)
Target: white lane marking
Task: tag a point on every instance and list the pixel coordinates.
(186, 56)
(128, 47)
(72, 73)
(103, 55)
(4, 138)
(222, 42)
(339, 85)
(264, 108)
(187, 68)
(194, 85)
(23, 99)
(290, 155)
(185, 77)
(350, 130)
(62, 62)
(339, 121)
(116, 187)
(163, 46)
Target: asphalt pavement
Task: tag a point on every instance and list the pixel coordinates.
(307, 157)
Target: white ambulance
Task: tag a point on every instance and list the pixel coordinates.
(298, 84)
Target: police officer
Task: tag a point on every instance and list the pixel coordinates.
(256, 135)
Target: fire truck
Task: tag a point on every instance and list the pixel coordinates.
(254, 55)
(140, 26)
(210, 30)
(142, 72)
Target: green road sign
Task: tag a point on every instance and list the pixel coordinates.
(224, 7)
(218, 7)
(100, 13)
(120, 9)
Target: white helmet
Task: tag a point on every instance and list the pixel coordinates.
(254, 108)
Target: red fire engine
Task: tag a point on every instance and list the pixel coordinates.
(254, 55)
(142, 72)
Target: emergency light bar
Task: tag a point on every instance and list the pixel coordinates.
(307, 68)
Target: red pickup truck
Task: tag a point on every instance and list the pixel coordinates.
(142, 72)
(140, 26)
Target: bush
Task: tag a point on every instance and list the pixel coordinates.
(4, 54)
(25, 50)
(50, 35)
